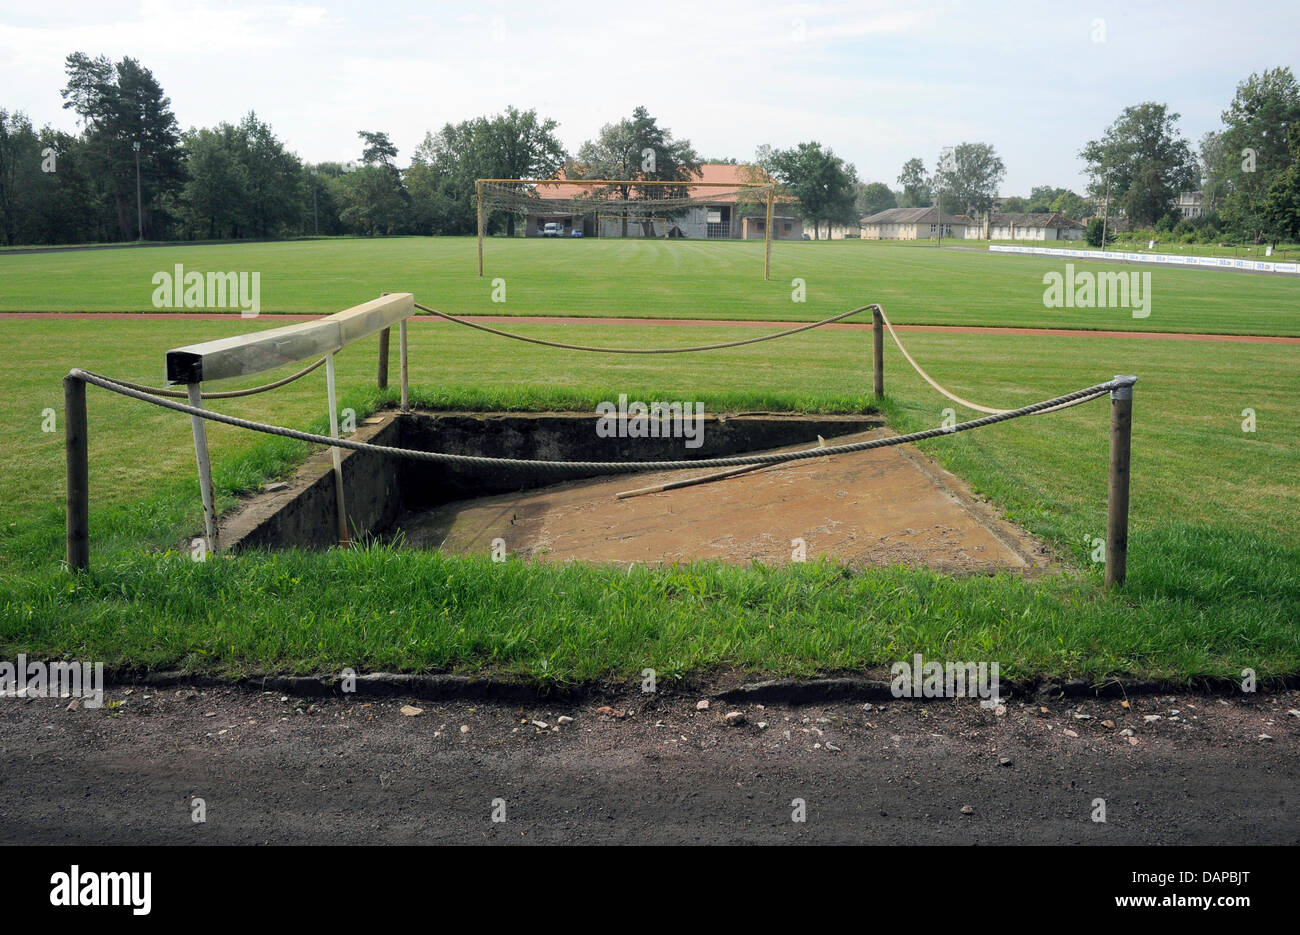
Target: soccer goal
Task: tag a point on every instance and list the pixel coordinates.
(631, 208)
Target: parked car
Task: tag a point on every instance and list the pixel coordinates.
(552, 229)
(576, 233)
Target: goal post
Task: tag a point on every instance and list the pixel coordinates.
(569, 205)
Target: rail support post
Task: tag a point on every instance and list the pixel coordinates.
(1121, 431)
(76, 445)
(334, 452)
(878, 347)
(382, 380)
(200, 429)
(401, 356)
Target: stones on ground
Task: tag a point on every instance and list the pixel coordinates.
(1000, 710)
(464, 728)
(1265, 737)
(702, 705)
(275, 485)
(541, 725)
(1005, 761)
(1080, 716)
(1126, 732)
(73, 705)
(1043, 712)
(831, 747)
(1132, 741)
(762, 725)
(1294, 712)
(733, 718)
(968, 810)
(1150, 718)
(615, 713)
(1108, 724)
(564, 719)
(410, 710)
(1069, 733)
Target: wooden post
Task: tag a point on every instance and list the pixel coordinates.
(767, 240)
(478, 197)
(401, 354)
(1121, 428)
(200, 429)
(335, 453)
(878, 346)
(76, 447)
(382, 380)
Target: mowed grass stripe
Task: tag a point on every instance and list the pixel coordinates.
(672, 279)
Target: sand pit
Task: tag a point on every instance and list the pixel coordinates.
(875, 508)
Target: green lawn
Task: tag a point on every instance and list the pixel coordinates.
(1214, 566)
(672, 279)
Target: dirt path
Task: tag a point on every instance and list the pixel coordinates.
(688, 322)
(273, 768)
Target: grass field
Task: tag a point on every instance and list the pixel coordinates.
(691, 279)
(1214, 567)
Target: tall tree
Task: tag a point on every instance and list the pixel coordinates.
(971, 177)
(1281, 215)
(916, 184)
(121, 106)
(637, 148)
(1144, 160)
(822, 182)
(1256, 146)
(873, 198)
(515, 144)
(1212, 165)
(376, 200)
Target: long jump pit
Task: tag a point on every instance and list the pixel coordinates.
(883, 507)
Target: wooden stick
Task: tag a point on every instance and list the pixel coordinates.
(702, 479)
(690, 481)
(1121, 430)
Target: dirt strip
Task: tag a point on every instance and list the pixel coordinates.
(690, 323)
(646, 769)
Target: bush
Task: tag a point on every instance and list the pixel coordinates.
(1094, 233)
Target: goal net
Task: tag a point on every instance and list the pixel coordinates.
(636, 226)
(627, 208)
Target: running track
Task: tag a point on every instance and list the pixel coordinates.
(688, 322)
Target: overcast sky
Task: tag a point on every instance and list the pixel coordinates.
(877, 82)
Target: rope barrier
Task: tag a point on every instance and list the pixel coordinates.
(654, 350)
(595, 467)
(227, 394)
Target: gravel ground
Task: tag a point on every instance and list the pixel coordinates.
(642, 769)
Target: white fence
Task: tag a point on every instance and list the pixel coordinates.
(1216, 262)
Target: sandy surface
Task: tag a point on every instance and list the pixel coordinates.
(872, 508)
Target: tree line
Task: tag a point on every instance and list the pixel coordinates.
(130, 172)
(1246, 172)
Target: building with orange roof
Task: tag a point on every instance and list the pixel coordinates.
(714, 213)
